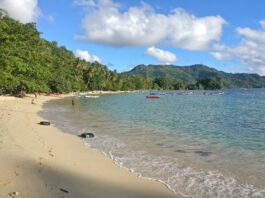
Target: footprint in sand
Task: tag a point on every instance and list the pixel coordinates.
(14, 194)
(40, 163)
(50, 153)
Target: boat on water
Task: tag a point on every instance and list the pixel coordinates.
(152, 96)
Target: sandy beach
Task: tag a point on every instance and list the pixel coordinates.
(41, 161)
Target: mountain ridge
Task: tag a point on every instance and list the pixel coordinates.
(194, 73)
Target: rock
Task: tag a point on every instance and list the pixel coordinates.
(44, 123)
(63, 190)
(86, 134)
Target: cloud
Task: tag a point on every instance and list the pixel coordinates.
(84, 55)
(85, 2)
(250, 51)
(24, 11)
(220, 56)
(164, 57)
(262, 23)
(142, 26)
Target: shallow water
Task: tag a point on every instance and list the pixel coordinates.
(203, 144)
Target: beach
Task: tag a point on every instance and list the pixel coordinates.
(42, 161)
(170, 141)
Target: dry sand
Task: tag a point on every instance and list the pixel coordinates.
(41, 161)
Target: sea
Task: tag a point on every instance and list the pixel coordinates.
(199, 144)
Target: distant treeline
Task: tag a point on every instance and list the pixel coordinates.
(176, 84)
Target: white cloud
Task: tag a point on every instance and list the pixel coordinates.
(250, 51)
(220, 56)
(164, 57)
(106, 24)
(24, 11)
(262, 23)
(85, 2)
(84, 55)
(250, 34)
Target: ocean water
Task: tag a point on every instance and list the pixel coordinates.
(200, 144)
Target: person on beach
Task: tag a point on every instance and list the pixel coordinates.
(73, 102)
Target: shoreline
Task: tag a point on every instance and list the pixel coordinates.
(42, 161)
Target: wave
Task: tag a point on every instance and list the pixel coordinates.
(181, 179)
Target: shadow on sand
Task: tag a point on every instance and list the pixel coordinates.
(47, 180)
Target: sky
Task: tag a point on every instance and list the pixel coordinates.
(228, 35)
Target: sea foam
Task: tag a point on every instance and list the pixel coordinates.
(181, 179)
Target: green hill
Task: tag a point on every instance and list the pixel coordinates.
(196, 73)
(29, 63)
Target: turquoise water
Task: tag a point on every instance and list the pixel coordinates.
(200, 144)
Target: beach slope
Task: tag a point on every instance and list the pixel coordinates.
(41, 161)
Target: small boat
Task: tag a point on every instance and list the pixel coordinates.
(152, 96)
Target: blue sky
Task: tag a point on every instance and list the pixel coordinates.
(227, 35)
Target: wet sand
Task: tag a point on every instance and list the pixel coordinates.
(41, 161)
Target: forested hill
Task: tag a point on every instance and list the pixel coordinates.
(196, 73)
(31, 64)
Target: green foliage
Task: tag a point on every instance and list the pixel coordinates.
(195, 86)
(179, 85)
(31, 64)
(164, 83)
(193, 75)
(23, 57)
(211, 84)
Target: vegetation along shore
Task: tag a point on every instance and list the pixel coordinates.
(32, 64)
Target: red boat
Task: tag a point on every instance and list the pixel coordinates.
(152, 96)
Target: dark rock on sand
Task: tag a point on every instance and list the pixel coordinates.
(44, 123)
(86, 134)
(63, 190)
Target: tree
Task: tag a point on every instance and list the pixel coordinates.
(164, 83)
(211, 84)
(29, 63)
(22, 57)
(179, 85)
